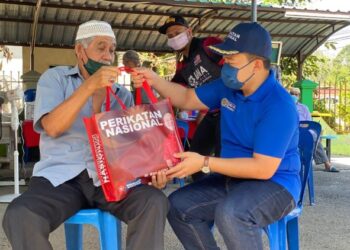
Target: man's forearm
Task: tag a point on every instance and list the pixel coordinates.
(180, 96)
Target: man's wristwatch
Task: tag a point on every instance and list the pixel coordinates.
(205, 168)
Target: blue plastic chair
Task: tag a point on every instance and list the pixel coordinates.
(183, 125)
(316, 129)
(287, 227)
(107, 225)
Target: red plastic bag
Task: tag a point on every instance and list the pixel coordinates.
(129, 143)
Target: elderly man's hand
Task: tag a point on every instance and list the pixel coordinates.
(139, 75)
(158, 179)
(104, 77)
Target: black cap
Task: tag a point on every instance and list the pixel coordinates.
(172, 20)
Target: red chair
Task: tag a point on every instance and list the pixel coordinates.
(30, 138)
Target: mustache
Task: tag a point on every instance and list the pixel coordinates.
(108, 63)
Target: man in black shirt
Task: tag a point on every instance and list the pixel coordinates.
(197, 66)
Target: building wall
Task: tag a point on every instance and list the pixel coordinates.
(46, 57)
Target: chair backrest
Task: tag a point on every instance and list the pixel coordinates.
(183, 125)
(315, 127)
(306, 149)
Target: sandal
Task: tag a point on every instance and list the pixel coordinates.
(331, 169)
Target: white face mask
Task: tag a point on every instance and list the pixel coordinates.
(178, 42)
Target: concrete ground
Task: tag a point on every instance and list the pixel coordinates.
(323, 226)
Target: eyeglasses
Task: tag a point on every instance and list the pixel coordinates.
(295, 94)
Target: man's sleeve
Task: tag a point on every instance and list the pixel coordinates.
(49, 95)
(275, 131)
(210, 94)
(213, 56)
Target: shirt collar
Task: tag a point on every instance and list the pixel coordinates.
(73, 71)
(262, 91)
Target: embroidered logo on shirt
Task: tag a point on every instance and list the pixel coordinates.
(227, 104)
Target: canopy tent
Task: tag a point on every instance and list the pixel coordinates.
(53, 23)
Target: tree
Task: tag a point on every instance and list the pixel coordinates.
(314, 67)
(343, 58)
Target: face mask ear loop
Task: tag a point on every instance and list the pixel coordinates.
(250, 77)
(84, 54)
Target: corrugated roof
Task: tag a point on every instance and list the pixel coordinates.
(136, 23)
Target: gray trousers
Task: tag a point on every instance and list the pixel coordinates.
(320, 155)
(30, 218)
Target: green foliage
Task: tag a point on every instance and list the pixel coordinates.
(312, 67)
(327, 72)
(343, 58)
(285, 2)
(163, 64)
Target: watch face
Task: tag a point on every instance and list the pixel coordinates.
(205, 170)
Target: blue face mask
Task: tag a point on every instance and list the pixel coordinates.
(229, 76)
(295, 98)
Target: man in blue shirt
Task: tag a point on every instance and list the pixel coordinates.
(65, 180)
(256, 180)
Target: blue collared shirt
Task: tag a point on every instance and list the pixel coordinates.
(66, 156)
(266, 122)
(304, 113)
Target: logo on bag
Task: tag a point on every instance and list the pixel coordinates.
(128, 124)
(134, 183)
(100, 159)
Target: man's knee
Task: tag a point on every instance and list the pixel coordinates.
(14, 212)
(19, 216)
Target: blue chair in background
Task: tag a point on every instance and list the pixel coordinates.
(182, 125)
(107, 225)
(287, 228)
(315, 129)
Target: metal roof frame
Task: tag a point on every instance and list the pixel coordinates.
(136, 23)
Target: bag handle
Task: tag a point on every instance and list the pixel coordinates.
(145, 86)
(148, 91)
(109, 91)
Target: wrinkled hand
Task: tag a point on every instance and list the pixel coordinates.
(104, 77)
(191, 163)
(139, 75)
(159, 179)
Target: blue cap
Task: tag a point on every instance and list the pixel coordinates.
(249, 38)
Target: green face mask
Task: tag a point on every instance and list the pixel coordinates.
(92, 66)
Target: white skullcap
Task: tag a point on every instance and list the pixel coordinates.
(94, 28)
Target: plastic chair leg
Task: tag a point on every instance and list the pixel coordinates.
(310, 185)
(293, 234)
(74, 236)
(110, 235)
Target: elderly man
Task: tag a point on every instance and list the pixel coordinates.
(256, 180)
(64, 180)
(320, 155)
